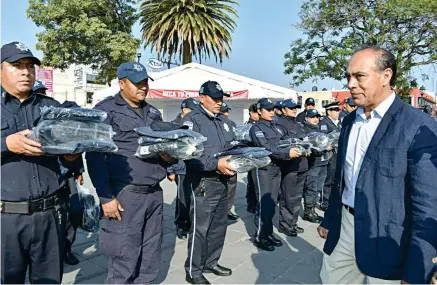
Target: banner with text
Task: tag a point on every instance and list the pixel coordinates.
(183, 94)
(45, 75)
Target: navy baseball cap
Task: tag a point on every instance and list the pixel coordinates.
(265, 103)
(289, 103)
(312, 113)
(189, 103)
(225, 107)
(212, 89)
(15, 51)
(350, 101)
(310, 101)
(38, 85)
(278, 104)
(133, 71)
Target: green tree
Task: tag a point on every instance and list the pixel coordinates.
(333, 29)
(90, 32)
(188, 27)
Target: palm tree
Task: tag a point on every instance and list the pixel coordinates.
(188, 27)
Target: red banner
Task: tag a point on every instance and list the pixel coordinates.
(183, 94)
(45, 75)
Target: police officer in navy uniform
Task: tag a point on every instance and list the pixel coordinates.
(32, 215)
(250, 187)
(329, 123)
(225, 110)
(278, 110)
(128, 187)
(293, 175)
(317, 170)
(177, 173)
(310, 104)
(349, 107)
(209, 179)
(266, 133)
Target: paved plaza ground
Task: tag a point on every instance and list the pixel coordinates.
(298, 261)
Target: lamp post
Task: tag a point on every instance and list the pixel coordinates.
(138, 56)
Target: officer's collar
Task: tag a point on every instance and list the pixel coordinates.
(208, 113)
(119, 100)
(6, 97)
(309, 124)
(290, 118)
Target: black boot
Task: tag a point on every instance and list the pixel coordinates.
(274, 241)
(70, 258)
(320, 218)
(298, 229)
(309, 215)
(181, 233)
(264, 244)
(197, 280)
(219, 270)
(289, 232)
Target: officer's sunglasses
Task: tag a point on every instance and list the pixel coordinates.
(337, 109)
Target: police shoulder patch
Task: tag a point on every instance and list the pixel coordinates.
(323, 127)
(259, 134)
(189, 124)
(226, 127)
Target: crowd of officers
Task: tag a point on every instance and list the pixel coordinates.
(34, 201)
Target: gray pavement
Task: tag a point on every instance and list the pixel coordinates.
(298, 261)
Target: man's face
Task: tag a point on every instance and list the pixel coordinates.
(289, 112)
(267, 114)
(309, 107)
(211, 104)
(348, 108)
(334, 113)
(254, 116)
(312, 120)
(365, 82)
(134, 92)
(18, 77)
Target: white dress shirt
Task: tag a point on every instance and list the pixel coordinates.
(360, 137)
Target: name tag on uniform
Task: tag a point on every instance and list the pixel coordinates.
(259, 134)
(324, 127)
(189, 124)
(226, 127)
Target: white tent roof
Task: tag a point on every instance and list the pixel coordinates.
(191, 76)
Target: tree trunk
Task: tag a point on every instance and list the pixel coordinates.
(187, 57)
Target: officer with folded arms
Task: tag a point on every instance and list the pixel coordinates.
(32, 214)
(128, 187)
(266, 133)
(209, 179)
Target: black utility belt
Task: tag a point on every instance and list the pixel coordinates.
(31, 206)
(143, 189)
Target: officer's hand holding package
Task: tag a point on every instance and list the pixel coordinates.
(294, 153)
(20, 144)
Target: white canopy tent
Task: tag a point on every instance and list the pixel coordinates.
(173, 85)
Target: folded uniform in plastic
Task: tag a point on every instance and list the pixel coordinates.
(244, 159)
(91, 208)
(242, 133)
(71, 131)
(182, 144)
(303, 147)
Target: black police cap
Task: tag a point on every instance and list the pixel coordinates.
(224, 107)
(212, 89)
(310, 101)
(189, 103)
(265, 103)
(332, 105)
(15, 51)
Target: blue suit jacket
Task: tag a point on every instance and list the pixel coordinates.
(395, 197)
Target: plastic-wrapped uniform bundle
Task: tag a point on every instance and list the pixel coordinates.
(302, 146)
(180, 144)
(318, 141)
(333, 139)
(75, 130)
(244, 159)
(91, 208)
(242, 133)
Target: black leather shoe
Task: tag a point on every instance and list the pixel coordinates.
(197, 280)
(264, 244)
(310, 218)
(232, 216)
(181, 233)
(218, 270)
(70, 258)
(320, 218)
(251, 209)
(289, 232)
(298, 229)
(274, 241)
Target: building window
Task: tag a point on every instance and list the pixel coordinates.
(93, 79)
(89, 97)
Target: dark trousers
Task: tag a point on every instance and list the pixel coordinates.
(330, 180)
(33, 242)
(209, 220)
(315, 179)
(250, 190)
(133, 245)
(183, 200)
(232, 189)
(292, 185)
(267, 184)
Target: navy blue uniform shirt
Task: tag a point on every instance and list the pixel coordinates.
(267, 134)
(25, 177)
(294, 130)
(110, 170)
(217, 129)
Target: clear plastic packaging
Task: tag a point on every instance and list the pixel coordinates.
(71, 137)
(150, 140)
(173, 135)
(75, 114)
(302, 146)
(319, 141)
(242, 133)
(255, 152)
(183, 149)
(245, 159)
(91, 208)
(333, 139)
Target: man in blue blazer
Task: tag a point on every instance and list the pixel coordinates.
(381, 223)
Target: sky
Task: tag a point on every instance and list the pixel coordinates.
(264, 32)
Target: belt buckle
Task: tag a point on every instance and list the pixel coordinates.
(36, 206)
